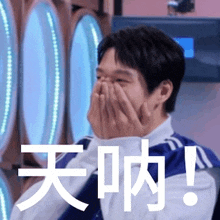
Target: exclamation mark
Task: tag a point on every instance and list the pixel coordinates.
(190, 198)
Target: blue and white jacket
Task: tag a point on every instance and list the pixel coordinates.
(163, 142)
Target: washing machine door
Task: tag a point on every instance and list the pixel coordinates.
(8, 73)
(83, 63)
(43, 78)
(6, 202)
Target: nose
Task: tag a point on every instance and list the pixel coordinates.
(105, 79)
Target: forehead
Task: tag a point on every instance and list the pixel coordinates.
(111, 65)
(109, 59)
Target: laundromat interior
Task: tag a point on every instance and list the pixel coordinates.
(48, 62)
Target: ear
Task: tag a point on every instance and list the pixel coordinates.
(164, 91)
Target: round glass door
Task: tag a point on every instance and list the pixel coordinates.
(8, 73)
(83, 63)
(43, 78)
(5, 198)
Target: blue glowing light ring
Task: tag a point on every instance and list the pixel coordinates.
(6, 202)
(93, 34)
(55, 94)
(8, 96)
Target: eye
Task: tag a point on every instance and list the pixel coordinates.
(98, 77)
(120, 80)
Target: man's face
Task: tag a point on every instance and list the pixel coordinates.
(131, 80)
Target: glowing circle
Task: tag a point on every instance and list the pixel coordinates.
(82, 73)
(43, 77)
(5, 198)
(8, 73)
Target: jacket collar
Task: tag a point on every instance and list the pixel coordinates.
(159, 134)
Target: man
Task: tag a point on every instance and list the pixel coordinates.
(139, 74)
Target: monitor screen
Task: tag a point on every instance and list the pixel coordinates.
(199, 38)
(187, 43)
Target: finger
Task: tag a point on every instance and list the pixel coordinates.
(94, 116)
(109, 106)
(96, 104)
(104, 116)
(106, 96)
(94, 95)
(97, 89)
(121, 119)
(114, 103)
(145, 114)
(94, 111)
(126, 104)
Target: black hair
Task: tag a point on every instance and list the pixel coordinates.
(150, 51)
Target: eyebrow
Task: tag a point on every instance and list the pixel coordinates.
(118, 71)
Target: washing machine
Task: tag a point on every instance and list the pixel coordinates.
(88, 27)
(9, 138)
(43, 76)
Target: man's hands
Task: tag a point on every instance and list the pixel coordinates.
(112, 115)
(94, 114)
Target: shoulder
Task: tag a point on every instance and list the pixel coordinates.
(205, 157)
(205, 187)
(85, 141)
(173, 148)
(63, 159)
